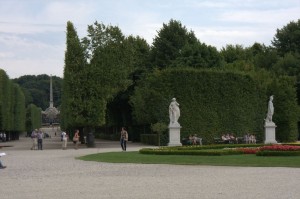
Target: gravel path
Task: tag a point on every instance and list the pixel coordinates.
(54, 173)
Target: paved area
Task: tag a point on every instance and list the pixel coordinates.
(55, 173)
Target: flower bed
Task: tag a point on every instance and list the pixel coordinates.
(279, 147)
(217, 150)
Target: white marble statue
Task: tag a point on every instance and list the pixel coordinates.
(270, 110)
(174, 112)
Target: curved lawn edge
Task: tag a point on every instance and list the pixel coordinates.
(228, 160)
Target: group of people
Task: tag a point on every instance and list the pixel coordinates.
(37, 139)
(193, 139)
(231, 139)
(250, 138)
(2, 137)
(65, 137)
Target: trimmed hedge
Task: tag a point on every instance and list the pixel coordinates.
(211, 102)
(218, 146)
(278, 153)
(190, 152)
(217, 102)
(217, 150)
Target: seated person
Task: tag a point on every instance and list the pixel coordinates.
(194, 139)
(247, 138)
(225, 138)
(190, 141)
(252, 139)
(232, 138)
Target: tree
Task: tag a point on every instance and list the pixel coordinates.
(36, 89)
(110, 65)
(198, 55)
(169, 42)
(287, 39)
(73, 98)
(119, 109)
(232, 53)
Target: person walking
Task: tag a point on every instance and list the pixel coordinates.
(124, 138)
(65, 140)
(76, 139)
(34, 139)
(1, 165)
(40, 139)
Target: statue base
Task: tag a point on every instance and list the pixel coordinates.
(270, 133)
(174, 135)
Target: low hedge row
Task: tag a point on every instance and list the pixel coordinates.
(218, 150)
(217, 146)
(278, 153)
(190, 152)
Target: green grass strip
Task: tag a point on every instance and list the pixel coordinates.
(228, 160)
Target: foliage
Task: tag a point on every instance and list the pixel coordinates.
(33, 117)
(286, 113)
(232, 53)
(260, 150)
(189, 152)
(37, 89)
(287, 38)
(279, 147)
(159, 127)
(278, 153)
(73, 98)
(212, 101)
(12, 105)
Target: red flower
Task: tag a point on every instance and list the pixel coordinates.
(279, 147)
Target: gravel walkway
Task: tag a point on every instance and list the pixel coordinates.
(54, 173)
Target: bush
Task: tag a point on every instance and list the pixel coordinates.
(173, 151)
(278, 153)
(217, 150)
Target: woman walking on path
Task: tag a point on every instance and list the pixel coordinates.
(76, 139)
(124, 138)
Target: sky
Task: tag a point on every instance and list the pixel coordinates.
(33, 32)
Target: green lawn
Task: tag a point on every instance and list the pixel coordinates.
(226, 160)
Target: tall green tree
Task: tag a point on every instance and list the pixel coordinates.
(119, 109)
(232, 53)
(19, 110)
(73, 97)
(169, 42)
(287, 39)
(110, 67)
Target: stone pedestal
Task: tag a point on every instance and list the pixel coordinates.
(270, 133)
(174, 135)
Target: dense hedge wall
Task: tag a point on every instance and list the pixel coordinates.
(33, 117)
(12, 106)
(286, 113)
(211, 102)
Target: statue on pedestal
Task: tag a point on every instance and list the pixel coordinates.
(174, 112)
(174, 126)
(270, 126)
(270, 110)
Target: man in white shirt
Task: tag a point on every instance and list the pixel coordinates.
(64, 139)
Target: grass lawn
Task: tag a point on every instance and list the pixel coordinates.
(226, 160)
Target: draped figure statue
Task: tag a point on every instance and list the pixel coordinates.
(174, 112)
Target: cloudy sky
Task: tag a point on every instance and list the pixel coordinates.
(32, 32)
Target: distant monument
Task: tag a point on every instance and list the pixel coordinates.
(269, 124)
(51, 115)
(174, 126)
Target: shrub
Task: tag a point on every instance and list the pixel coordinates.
(278, 153)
